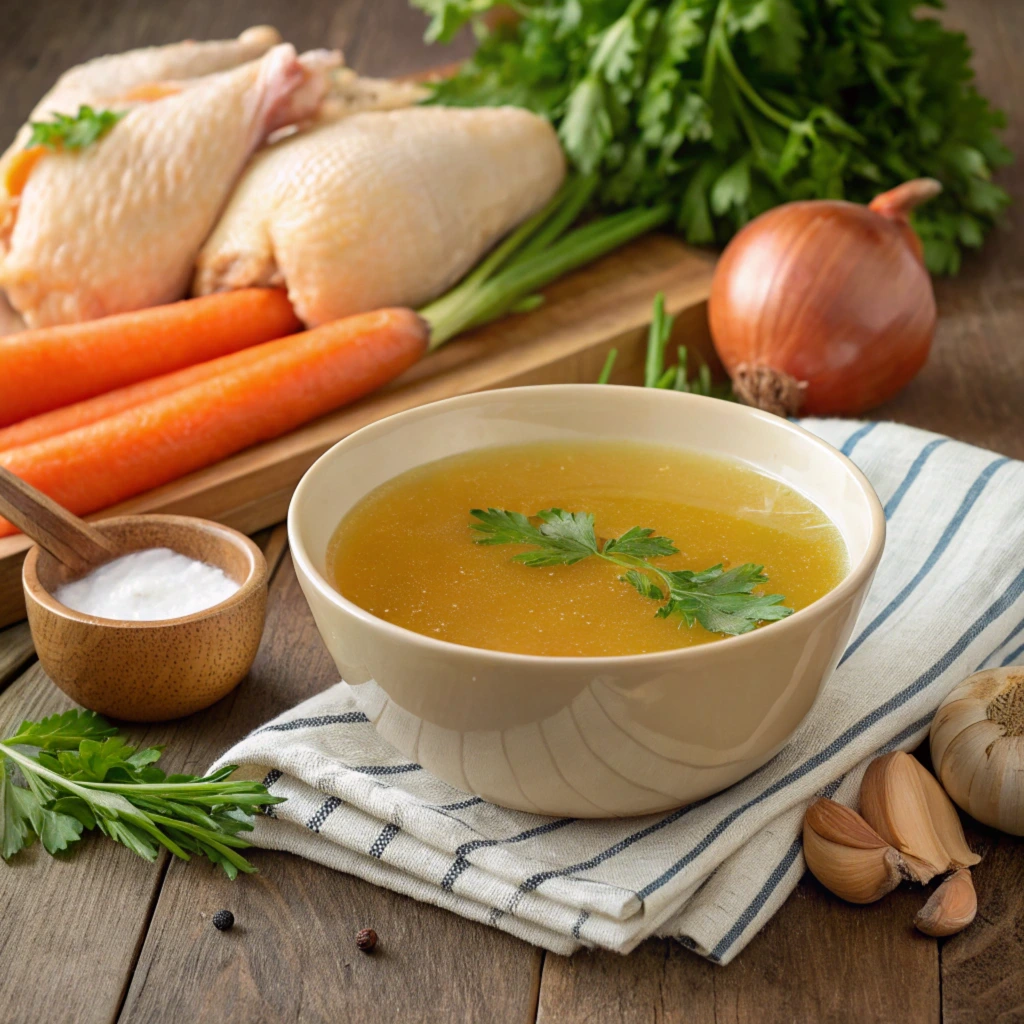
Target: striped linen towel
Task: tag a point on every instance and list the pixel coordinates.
(948, 599)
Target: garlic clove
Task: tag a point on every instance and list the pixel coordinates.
(846, 864)
(894, 804)
(945, 819)
(839, 824)
(951, 908)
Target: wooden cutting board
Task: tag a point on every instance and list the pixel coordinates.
(567, 339)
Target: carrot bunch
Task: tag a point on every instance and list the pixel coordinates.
(95, 413)
(54, 366)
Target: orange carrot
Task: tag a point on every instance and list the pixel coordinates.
(149, 92)
(54, 366)
(19, 167)
(99, 407)
(313, 373)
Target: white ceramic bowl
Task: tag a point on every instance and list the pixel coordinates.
(586, 737)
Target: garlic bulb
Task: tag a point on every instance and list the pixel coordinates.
(977, 745)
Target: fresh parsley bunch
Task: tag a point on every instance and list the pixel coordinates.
(722, 601)
(725, 108)
(72, 773)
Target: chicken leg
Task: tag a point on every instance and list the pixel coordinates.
(117, 226)
(381, 209)
(107, 81)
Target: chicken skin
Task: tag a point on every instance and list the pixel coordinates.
(117, 226)
(381, 209)
(110, 81)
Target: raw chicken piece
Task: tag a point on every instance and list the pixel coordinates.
(353, 94)
(117, 226)
(107, 81)
(381, 209)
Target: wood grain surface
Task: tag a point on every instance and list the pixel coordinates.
(104, 936)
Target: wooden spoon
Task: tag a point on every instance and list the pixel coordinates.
(69, 539)
(140, 670)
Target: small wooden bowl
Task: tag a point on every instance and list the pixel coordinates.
(150, 671)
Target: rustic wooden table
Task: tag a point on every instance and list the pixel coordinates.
(105, 936)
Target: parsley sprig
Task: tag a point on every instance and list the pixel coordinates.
(724, 108)
(721, 600)
(71, 773)
(67, 131)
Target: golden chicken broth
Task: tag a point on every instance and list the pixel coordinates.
(406, 553)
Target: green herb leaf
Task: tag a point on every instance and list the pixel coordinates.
(721, 601)
(19, 815)
(57, 831)
(643, 584)
(723, 108)
(657, 338)
(587, 127)
(73, 132)
(63, 731)
(640, 542)
(84, 777)
(561, 538)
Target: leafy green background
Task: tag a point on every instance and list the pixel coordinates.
(726, 108)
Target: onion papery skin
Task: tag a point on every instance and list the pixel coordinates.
(828, 294)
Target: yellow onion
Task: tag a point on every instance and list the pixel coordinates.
(825, 307)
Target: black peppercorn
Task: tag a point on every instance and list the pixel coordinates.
(223, 920)
(366, 940)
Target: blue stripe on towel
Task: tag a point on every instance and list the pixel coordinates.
(312, 723)
(385, 769)
(993, 612)
(323, 812)
(912, 474)
(943, 542)
(753, 908)
(1012, 656)
(858, 435)
(458, 806)
(623, 844)
(781, 869)
(580, 921)
(995, 651)
(381, 842)
(460, 863)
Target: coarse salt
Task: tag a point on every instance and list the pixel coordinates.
(149, 585)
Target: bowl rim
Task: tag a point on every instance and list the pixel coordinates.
(254, 580)
(855, 580)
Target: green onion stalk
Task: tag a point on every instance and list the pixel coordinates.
(540, 251)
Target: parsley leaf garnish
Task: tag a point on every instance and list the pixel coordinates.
(73, 132)
(71, 773)
(725, 108)
(722, 601)
(562, 538)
